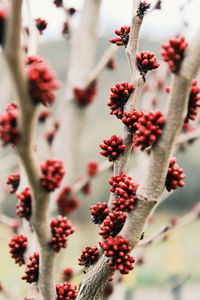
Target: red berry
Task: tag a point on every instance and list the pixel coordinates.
(194, 102)
(89, 256)
(24, 207)
(32, 269)
(146, 61)
(66, 291)
(92, 168)
(130, 119)
(53, 173)
(175, 176)
(123, 38)
(99, 212)
(67, 274)
(13, 180)
(18, 246)
(113, 224)
(85, 97)
(65, 202)
(41, 25)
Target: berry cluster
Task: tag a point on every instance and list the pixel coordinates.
(131, 118)
(146, 61)
(67, 274)
(89, 256)
(122, 186)
(143, 7)
(61, 228)
(3, 17)
(92, 168)
(173, 52)
(118, 250)
(123, 38)
(85, 97)
(118, 98)
(149, 129)
(13, 180)
(18, 245)
(175, 176)
(99, 212)
(53, 173)
(65, 202)
(41, 25)
(194, 102)
(112, 148)
(112, 225)
(9, 132)
(32, 269)
(66, 291)
(23, 206)
(111, 65)
(58, 3)
(41, 81)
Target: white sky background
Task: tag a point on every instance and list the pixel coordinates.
(160, 24)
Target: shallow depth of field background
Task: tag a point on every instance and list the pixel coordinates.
(178, 258)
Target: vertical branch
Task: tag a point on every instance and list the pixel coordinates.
(39, 219)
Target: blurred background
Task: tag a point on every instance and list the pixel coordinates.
(170, 269)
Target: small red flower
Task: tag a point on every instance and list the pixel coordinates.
(112, 147)
(123, 38)
(41, 24)
(113, 224)
(3, 17)
(65, 202)
(143, 7)
(118, 98)
(111, 65)
(146, 61)
(89, 256)
(53, 173)
(149, 129)
(13, 180)
(32, 269)
(43, 116)
(194, 102)
(18, 246)
(99, 212)
(130, 119)
(92, 168)
(41, 81)
(9, 131)
(61, 228)
(66, 291)
(118, 250)
(175, 176)
(67, 274)
(58, 3)
(173, 52)
(122, 186)
(85, 97)
(23, 206)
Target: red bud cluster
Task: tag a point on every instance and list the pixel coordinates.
(85, 97)
(65, 202)
(99, 212)
(41, 25)
(126, 205)
(61, 228)
(43, 116)
(173, 52)
(123, 38)
(92, 168)
(149, 129)
(175, 176)
(118, 250)
(118, 98)
(41, 81)
(111, 65)
(146, 61)
(130, 119)
(13, 180)
(9, 132)
(112, 147)
(67, 274)
(32, 269)
(18, 245)
(66, 291)
(142, 8)
(24, 207)
(89, 256)
(58, 3)
(194, 102)
(113, 224)
(53, 173)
